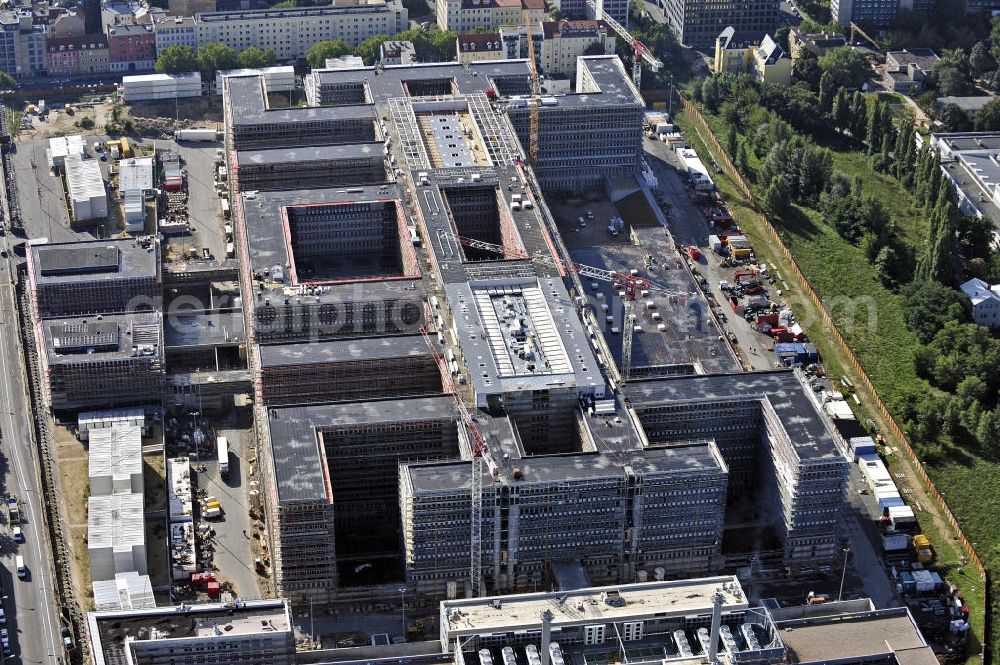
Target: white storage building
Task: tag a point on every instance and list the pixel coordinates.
(116, 460)
(116, 535)
(91, 420)
(61, 147)
(153, 87)
(135, 182)
(127, 591)
(276, 79)
(87, 197)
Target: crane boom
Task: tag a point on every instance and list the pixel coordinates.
(640, 51)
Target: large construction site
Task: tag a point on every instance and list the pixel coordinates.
(437, 385)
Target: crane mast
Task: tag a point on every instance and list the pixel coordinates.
(533, 103)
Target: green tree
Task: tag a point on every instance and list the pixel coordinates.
(873, 132)
(859, 115)
(939, 262)
(980, 60)
(318, 53)
(743, 161)
(848, 67)
(732, 142)
(777, 197)
(929, 305)
(806, 68)
(255, 58)
(7, 82)
(988, 432)
(841, 109)
(711, 94)
(827, 90)
(286, 4)
(988, 118)
(955, 119)
(368, 50)
(215, 56)
(176, 59)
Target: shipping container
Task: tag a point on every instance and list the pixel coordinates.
(895, 542)
(196, 135)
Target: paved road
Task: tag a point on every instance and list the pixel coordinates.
(32, 616)
(33, 621)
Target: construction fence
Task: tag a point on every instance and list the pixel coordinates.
(710, 140)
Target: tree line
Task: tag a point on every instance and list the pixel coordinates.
(778, 139)
(432, 45)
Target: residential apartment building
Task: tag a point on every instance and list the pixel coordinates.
(475, 47)
(515, 42)
(771, 64)
(734, 50)
(22, 44)
(131, 47)
(175, 31)
(72, 56)
(879, 13)
(464, 16)
(698, 23)
(817, 42)
(909, 68)
(290, 32)
(565, 41)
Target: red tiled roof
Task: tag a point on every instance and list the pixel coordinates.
(474, 42)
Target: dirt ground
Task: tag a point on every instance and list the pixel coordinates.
(154, 481)
(74, 484)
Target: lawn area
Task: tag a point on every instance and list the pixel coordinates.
(847, 284)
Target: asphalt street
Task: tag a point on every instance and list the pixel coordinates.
(33, 620)
(32, 617)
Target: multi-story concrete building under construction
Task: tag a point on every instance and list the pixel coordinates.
(425, 262)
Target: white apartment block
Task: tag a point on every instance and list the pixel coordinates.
(290, 32)
(175, 31)
(464, 16)
(985, 302)
(565, 41)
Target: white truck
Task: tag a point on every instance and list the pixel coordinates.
(223, 444)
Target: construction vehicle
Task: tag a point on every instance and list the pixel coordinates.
(68, 108)
(640, 53)
(120, 146)
(814, 598)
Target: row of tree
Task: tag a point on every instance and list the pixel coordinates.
(211, 58)
(791, 169)
(431, 45)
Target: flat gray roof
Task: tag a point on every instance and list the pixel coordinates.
(247, 106)
(557, 332)
(332, 351)
(87, 261)
(304, 155)
(789, 398)
(854, 636)
(182, 330)
(697, 457)
(112, 337)
(295, 449)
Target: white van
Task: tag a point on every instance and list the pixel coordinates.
(22, 572)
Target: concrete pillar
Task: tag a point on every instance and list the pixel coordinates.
(713, 650)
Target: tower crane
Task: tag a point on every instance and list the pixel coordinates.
(482, 458)
(629, 284)
(639, 50)
(535, 101)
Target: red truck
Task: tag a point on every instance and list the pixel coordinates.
(693, 252)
